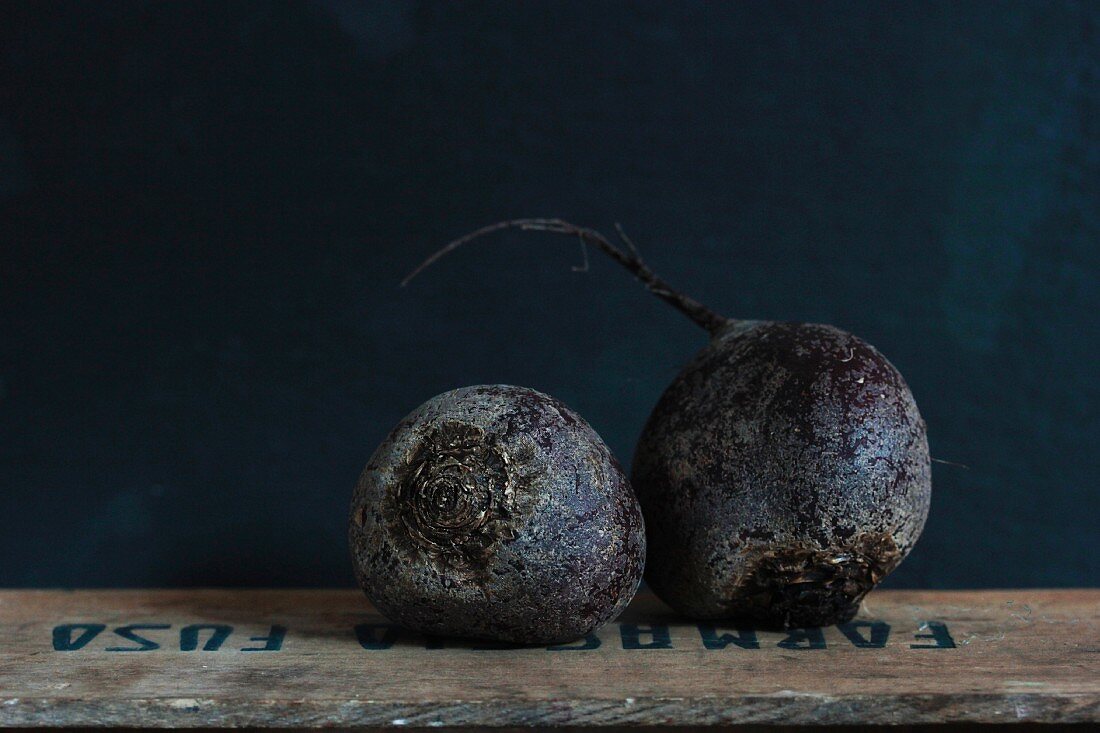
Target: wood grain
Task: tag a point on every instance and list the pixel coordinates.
(1027, 655)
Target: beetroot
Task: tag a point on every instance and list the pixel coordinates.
(496, 512)
(783, 473)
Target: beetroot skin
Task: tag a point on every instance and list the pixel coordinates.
(783, 473)
(496, 512)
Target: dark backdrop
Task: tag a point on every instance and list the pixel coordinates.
(205, 210)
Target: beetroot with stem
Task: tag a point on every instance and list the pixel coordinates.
(782, 474)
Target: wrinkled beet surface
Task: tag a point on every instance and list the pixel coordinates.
(782, 475)
(496, 512)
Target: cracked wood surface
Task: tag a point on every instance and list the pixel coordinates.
(312, 658)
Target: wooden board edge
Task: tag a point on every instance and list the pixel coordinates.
(775, 709)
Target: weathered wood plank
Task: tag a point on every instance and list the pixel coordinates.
(214, 658)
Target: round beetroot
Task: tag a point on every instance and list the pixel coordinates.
(496, 512)
(784, 472)
(782, 475)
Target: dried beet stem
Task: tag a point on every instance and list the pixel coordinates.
(632, 261)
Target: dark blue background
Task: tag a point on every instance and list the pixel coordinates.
(205, 210)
